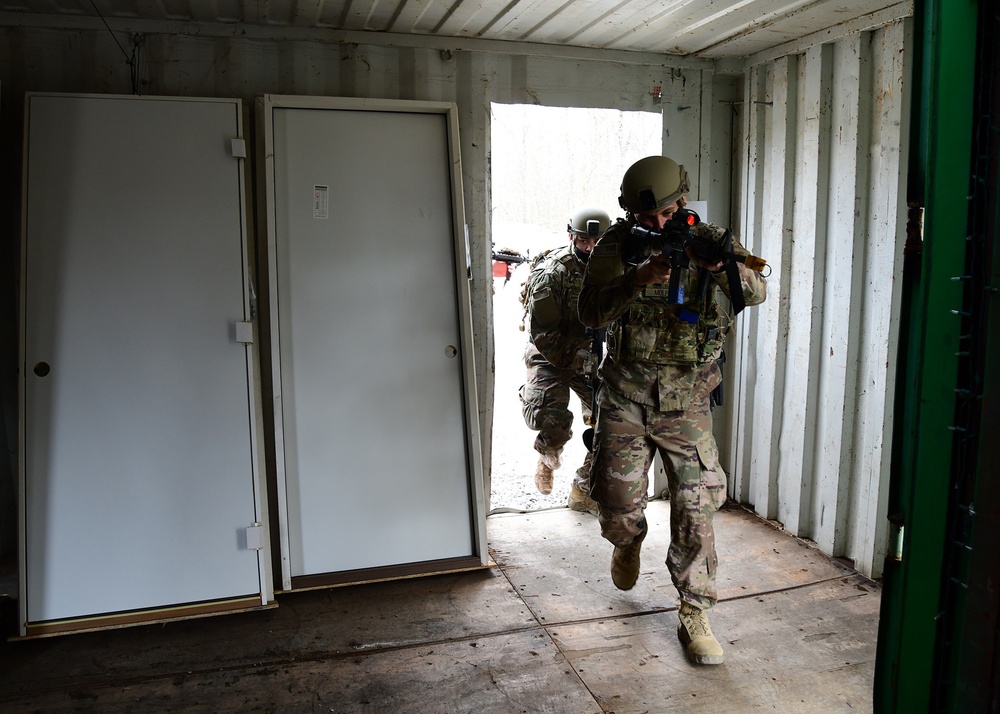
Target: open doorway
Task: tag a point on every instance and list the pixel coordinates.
(547, 162)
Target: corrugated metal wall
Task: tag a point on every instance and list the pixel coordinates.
(823, 200)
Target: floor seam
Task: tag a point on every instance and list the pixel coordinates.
(658, 610)
(548, 633)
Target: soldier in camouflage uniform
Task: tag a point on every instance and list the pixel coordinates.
(558, 355)
(660, 369)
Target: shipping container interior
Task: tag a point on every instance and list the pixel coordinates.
(852, 145)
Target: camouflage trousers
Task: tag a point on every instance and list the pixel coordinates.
(545, 406)
(627, 435)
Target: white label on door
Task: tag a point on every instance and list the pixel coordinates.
(321, 202)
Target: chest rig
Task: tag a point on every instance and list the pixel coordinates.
(667, 329)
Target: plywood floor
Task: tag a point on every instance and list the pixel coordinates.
(544, 631)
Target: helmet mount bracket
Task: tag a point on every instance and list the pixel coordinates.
(647, 200)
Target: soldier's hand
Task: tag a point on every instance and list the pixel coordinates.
(655, 269)
(714, 267)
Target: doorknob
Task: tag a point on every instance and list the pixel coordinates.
(41, 369)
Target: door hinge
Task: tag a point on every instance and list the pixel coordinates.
(255, 536)
(244, 332)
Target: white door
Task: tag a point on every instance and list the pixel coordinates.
(373, 413)
(138, 461)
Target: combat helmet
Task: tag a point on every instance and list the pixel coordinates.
(588, 223)
(652, 183)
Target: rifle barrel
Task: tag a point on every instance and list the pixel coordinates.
(509, 258)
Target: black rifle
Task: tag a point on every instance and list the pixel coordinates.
(597, 349)
(510, 257)
(677, 235)
(674, 240)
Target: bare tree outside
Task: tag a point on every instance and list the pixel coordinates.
(547, 163)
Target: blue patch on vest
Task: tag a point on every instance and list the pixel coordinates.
(688, 316)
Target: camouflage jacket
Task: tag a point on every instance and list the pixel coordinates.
(659, 353)
(556, 334)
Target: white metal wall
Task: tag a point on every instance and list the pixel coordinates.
(825, 136)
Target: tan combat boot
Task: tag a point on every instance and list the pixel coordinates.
(580, 501)
(696, 636)
(543, 478)
(625, 565)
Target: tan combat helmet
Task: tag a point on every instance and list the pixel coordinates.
(588, 223)
(651, 184)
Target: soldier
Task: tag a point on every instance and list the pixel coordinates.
(664, 343)
(559, 354)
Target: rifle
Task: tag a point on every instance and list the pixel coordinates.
(507, 257)
(674, 240)
(597, 350)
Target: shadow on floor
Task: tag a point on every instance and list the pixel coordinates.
(544, 631)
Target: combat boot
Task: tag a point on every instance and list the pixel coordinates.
(543, 478)
(547, 463)
(625, 565)
(696, 636)
(580, 501)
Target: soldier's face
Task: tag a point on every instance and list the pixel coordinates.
(584, 244)
(655, 220)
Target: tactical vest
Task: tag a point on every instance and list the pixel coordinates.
(536, 271)
(655, 330)
(561, 267)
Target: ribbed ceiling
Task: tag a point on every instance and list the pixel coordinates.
(693, 28)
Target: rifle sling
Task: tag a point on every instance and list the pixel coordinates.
(735, 287)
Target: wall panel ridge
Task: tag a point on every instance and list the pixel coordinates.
(886, 229)
(775, 238)
(749, 360)
(807, 260)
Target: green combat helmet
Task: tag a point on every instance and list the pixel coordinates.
(651, 184)
(588, 223)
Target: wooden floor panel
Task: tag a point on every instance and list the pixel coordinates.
(544, 631)
(561, 565)
(807, 650)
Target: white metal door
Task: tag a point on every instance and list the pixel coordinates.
(372, 418)
(139, 466)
